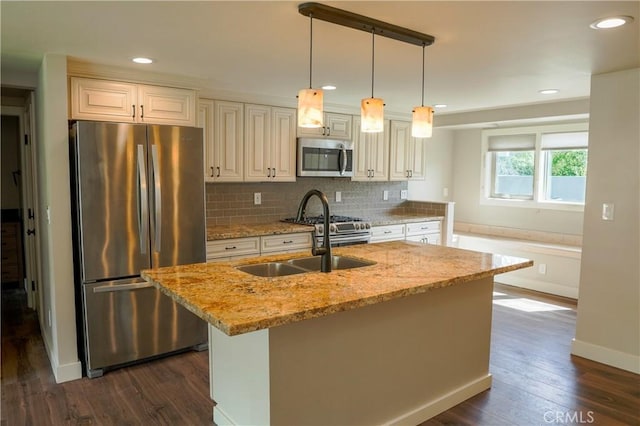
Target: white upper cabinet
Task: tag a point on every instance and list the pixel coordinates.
(336, 126)
(105, 100)
(270, 144)
(371, 154)
(223, 139)
(407, 155)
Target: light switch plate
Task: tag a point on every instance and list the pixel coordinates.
(403, 194)
(385, 195)
(338, 197)
(607, 211)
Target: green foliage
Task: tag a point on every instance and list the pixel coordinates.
(569, 163)
(518, 163)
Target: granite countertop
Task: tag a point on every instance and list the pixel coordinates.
(223, 232)
(236, 302)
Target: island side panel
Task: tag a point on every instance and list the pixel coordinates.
(239, 377)
(404, 360)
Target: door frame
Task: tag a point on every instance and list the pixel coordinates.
(29, 199)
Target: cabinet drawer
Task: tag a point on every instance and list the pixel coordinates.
(387, 233)
(419, 228)
(233, 247)
(425, 239)
(286, 242)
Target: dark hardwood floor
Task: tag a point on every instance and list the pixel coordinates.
(535, 379)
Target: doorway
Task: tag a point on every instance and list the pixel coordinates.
(19, 210)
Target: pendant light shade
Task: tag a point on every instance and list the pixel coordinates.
(422, 122)
(310, 101)
(372, 109)
(372, 115)
(310, 108)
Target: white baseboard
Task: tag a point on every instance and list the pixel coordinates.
(61, 373)
(220, 418)
(445, 402)
(622, 360)
(537, 285)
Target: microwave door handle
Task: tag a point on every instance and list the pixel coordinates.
(344, 160)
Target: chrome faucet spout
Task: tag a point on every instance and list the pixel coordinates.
(325, 250)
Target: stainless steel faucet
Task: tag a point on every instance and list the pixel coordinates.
(325, 250)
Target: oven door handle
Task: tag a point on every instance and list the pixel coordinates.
(344, 160)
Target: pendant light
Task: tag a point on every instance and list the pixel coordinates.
(310, 114)
(422, 124)
(372, 109)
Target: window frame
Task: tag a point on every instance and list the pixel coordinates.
(538, 201)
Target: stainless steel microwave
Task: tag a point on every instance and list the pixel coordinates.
(325, 157)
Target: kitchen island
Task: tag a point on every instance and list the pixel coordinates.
(398, 341)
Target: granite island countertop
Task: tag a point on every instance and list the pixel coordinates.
(236, 302)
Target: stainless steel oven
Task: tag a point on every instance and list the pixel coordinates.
(325, 157)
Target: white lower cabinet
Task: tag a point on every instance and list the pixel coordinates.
(284, 243)
(387, 233)
(238, 248)
(232, 248)
(424, 232)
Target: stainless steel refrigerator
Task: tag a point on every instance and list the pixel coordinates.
(138, 203)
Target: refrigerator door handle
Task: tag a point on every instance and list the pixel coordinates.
(158, 197)
(121, 287)
(143, 209)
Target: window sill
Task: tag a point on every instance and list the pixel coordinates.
(530, 204)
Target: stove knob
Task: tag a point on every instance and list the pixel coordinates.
(368, 225)
(332, 228)
(320, 229)
(356, 225)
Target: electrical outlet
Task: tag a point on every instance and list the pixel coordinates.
(257, 198)
(445, 192)
(385, 195)
(48, 215)
(49, 318)
(542, 268)
(403, 194)
(338, 197)
(607, 211)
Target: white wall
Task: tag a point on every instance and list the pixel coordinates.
(608, 323)
(439, 151)
(467, 160)
(57, 316)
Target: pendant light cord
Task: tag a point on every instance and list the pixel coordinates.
(423, 49)
(373, 56)
(310, 49)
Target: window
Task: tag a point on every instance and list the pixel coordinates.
(543, 166)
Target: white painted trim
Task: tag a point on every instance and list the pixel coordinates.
(538, 285)
(525, 245)
(220, 417)
(445, 402)
(622, 360)
(62, 373)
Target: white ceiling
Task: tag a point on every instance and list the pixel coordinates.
(486, 54)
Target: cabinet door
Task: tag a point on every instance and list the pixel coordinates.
(257, 131)
(102, 100)
(205, 121)
(361, 170)
(166, 105)
(228, 141)
(338, 126)
(416, 159)
(378, 147)
(399, 147)
(283, 139)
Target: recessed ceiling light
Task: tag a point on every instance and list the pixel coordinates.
(142, 60)
(329, 87)
(440, 106)
(548, 91)
(611, 22)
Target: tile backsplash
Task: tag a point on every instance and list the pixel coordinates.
(232, 203)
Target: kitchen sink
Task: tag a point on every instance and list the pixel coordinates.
(271, 269)
(312, 263)
(301, 265)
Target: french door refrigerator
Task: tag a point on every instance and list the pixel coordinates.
(138, 203)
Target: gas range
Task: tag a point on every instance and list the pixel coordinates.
(343, 230)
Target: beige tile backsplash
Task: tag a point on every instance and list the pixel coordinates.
(232, 203)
